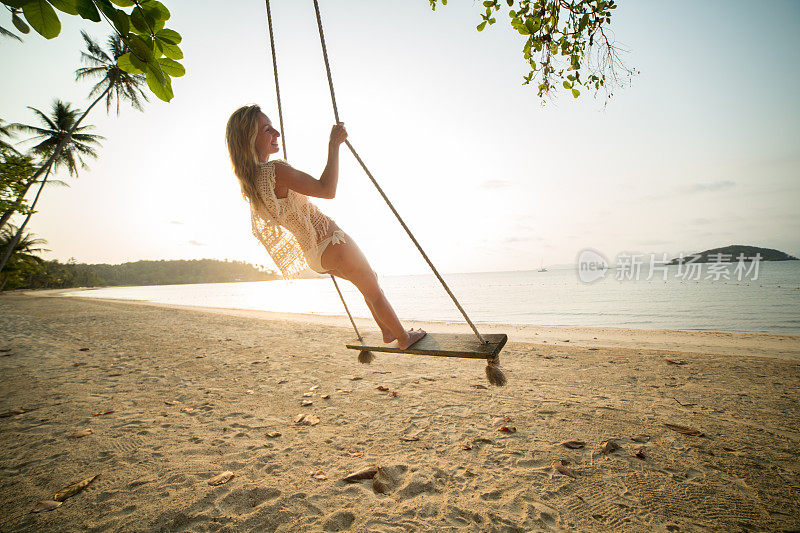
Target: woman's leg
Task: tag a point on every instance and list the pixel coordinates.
(346, 261)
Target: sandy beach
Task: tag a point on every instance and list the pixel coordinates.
(176, 396)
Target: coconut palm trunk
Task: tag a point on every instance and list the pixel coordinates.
(45, 168)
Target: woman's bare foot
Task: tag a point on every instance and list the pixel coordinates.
(388, 337)
(409, 338)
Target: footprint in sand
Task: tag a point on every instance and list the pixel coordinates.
(245, 500)
(339, 521)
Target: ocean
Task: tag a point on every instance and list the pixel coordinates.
(768, 304)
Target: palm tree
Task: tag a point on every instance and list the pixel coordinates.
(123, 86)
(64, 142)
(60, 128)
(24, 250)
(114, 83)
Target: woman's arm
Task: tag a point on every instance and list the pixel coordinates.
(325, 186)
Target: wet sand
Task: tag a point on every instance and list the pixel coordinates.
(197, 392)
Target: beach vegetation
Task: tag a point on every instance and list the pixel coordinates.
(24, 259)
(567, 43)
(62, 140)
(57, 275)
(152, 49)
(15, 171)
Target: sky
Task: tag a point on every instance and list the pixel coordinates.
(701, 150)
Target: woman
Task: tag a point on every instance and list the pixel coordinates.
(293, 230)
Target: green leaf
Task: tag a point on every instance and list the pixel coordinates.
(20, 24)
(162, 90)
(123, 3)
(42, 17)
(567, 85)
(125, 63)
(576, 93)
(157, 9)
(141, 48)
(141, 21)
(583, 23)
(169, 36)
(87, 10)
(172, 51)
(488, 3)
(67, 6)
(481, 25)
(530, 25)
(171, 68)
(120, 21)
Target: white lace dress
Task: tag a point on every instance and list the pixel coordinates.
(292, 228)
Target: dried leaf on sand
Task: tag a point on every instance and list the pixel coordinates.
(106, 412)
(573, 444)
(411, 438)
(171, 402)
(466, 446)
(608, 446)
(45, 505)
(355, 454)
(508, 429)
(306, 420)
(81, 433)
(221, 479)
(640, 438)
(273, 434)
(480, 386)
(187, 409)
(306, 403)
(639, 453)
(675, 362)
(11, 413)
(83, 349)
(367, 473)
(326, 396)
(382, 388)
(319, 474)
(560, 466)
(72, 490)
(685, 430)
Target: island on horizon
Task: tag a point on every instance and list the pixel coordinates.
(732, 253)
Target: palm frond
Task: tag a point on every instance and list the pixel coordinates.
(44, 118)
(5, 33)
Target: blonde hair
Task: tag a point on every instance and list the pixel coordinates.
(240, 136)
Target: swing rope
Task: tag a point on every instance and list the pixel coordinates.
(283, 142)
(369, 174)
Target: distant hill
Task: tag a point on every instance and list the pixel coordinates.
(56, 275)
(733, 251)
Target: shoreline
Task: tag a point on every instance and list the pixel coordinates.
(779, 346)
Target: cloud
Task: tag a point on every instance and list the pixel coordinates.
(495, 184)
(176, 222)
(714, 186)
(197, 243)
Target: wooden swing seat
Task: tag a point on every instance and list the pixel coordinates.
(439, 344)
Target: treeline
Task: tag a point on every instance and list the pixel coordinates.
(56, 275)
